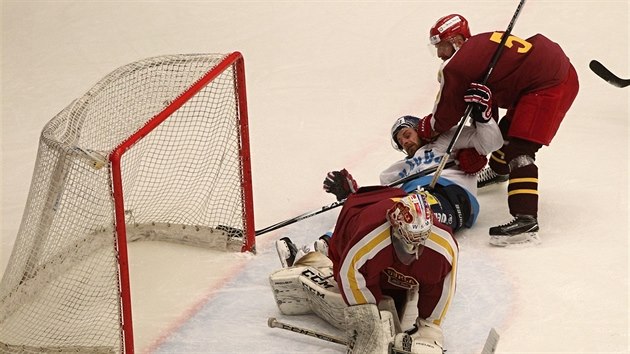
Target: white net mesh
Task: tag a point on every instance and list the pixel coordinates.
(182, 182)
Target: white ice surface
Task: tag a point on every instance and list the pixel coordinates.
(325, 81)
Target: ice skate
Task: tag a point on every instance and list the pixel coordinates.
(487, 177)
(522, 229)
(286, 251)
(321, 245)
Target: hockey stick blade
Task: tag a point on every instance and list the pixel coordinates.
(601, 71)
(491, 343)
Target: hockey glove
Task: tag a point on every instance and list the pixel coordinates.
(425, 130)
(340, 183)
(427, 338)
(480, 97)
(470, 161)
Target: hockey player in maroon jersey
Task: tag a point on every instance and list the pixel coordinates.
(533, 80)
(386, 245)
(386, 241)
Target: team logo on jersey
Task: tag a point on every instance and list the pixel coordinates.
(398, 279)
(412, 164)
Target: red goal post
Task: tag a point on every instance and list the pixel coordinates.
(156, 150)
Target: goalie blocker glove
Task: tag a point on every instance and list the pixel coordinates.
(340, 183)
(425, 338)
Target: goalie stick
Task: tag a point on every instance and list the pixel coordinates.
(491, 342)
(273, 323)
(601, 71)
(489, 347)
(287, 222)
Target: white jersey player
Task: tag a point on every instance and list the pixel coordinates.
(484, 138)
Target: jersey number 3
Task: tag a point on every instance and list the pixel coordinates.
(523, 45)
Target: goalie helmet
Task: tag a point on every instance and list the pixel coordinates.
(448, 27)
(403, 122)
(411, 221)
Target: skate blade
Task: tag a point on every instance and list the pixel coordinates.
(524, 239)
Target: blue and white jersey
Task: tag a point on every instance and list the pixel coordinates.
(485, 138)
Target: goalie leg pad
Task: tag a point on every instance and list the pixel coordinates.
(301, 290)
(288, 292)
(323, 296)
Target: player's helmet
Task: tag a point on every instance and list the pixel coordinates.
(403, 122)
(411, 221)
(448, 27)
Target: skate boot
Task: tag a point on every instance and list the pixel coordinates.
(487, 177)
(321, 245)
(286, 251)
(522, 229)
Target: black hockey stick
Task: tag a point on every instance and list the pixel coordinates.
(287, 222)
(493, 63)
(601, 71)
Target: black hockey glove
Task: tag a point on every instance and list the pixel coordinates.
(340, 183)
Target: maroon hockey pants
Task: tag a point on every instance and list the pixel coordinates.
(527, 127)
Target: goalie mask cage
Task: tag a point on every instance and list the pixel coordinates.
(157, 150)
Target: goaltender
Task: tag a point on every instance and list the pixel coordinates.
(389, 246)
(386, 246)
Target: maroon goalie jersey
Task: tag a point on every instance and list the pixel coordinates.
(524, 66)
(365, 264)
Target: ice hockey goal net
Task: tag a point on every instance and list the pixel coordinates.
(158, 150)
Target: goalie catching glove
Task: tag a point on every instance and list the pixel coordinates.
(340, 183)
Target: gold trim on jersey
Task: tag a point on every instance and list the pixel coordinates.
(442, 242)
(352, 281)
(354, 284)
